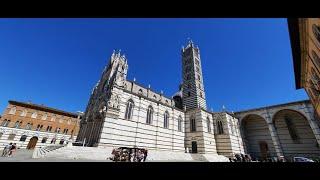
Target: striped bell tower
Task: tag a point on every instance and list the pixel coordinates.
(193, 89)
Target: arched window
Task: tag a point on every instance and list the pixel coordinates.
(154, 96)
(23, 138)
(220, 127)
(49, 129)
(57, 130)
(315, 58)
(13, 110)
(34, 115)
(316, 32)
(292, 129)
(23, 113)
(17, 124)
(315, 76)
(44, 140)
(149, 115)
(44, 116)
(193, 125)
(208, 125)
(189, 94)
(39, 127)
(180, 124)
(5, 123)
(129, 109)
(11, 136)
(140, 92)
(313, 88)
(200, 94)
(166, 120)
(29, 126)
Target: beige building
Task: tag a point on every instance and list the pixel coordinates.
(31, 125)
(305, 44)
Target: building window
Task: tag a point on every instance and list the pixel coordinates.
(39, 127)
(129, 110)
(53, 141)
(200, 94)
(65, 131)
(5, 123)
(53, 118)
(49, 129)
(44, 117)
(23, 113)
(189, 86)
(29, 126)
(313, 88)
(316, 32)
(193, 125)
(1, 134)
(13, 110)
(189, 94)
(199, 77)
(57, 130)
(149, 115)
(140, 92)
(11, 136)
(44, 140)
(220, 127)
(292, 130)
(208, 125)
(17, 124)
(180, 124)
(315, 58)
(23, 138)
(166, 120)
(188, 76)
(34, 115)
(61, 141)
(315, 76)
(197, 69)
(154, 96)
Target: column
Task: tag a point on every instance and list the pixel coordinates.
(312, 122)
(275, 139)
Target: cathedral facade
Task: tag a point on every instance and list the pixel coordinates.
(123, 113)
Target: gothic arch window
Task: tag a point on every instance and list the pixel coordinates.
(23, 113)
(23, 138)
(34, 115)
(193, 125)
(149, 115)
(5, 123)
(315, 58)
(180, 124)
(315, 76)
(316, 32)
(39, 127)
(154, 96)
(129, 109)
(13, 110)
(220, 127)
(29, 126)
(208, 125)
(17, 124)
(140, 92)
(166, 120)
(200, 94)
(292, 129)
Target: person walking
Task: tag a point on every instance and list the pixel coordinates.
(6, 149)
(145, 155)
(12, 149)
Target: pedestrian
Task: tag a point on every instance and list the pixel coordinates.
(145, 155)
(12, 149)
(6, 149)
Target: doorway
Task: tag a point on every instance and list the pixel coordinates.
(194, 147)
(264, 150)
(32, 143)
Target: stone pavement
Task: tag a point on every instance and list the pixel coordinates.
(24, 155)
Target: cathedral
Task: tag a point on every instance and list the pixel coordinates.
(123, 113)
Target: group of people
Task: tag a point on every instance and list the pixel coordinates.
(129, 155)
(9, 150)
(241, 158)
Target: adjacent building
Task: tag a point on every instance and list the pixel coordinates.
(31, 125)
(305, 44)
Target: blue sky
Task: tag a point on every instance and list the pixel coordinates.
(247, 63)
